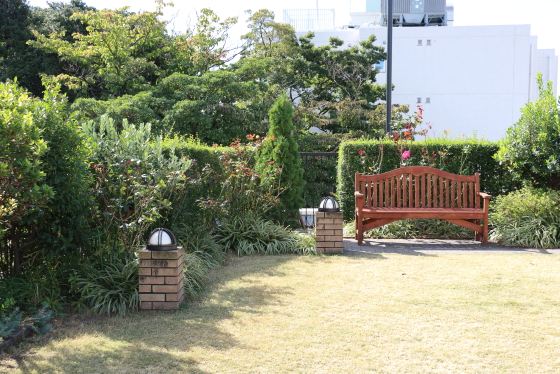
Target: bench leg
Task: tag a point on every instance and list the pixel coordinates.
(477, 235)
(485, 233)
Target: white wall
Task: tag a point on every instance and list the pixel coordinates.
(477, 77)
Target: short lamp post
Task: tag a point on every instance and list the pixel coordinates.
(329, 204)
(328, 229)
(161, 240)
(161, 272)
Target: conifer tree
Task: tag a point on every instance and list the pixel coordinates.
(279, 157)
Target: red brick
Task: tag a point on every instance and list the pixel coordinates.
(161, 263)
(173, 280)
(167, 255)
(166, 305)
(146, 305)
(325, 221)
(144, 255)
(323, 244)
(324, 232)
(170, 288)
(319, 238)
(145, 271)
(152, 297)
(332, 227)
(152, 280)
(333, 215)
(337, 238)
(175, 296)
(168, 271)
(145, 288)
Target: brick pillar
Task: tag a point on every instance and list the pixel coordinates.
(328, 232)
(161, 279)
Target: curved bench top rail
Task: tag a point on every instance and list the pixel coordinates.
(416, 171)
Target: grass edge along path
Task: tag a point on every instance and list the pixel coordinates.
(378, 313)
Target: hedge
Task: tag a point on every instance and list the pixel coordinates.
(455, 156)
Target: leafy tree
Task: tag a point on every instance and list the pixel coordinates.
(267, 38)
(217, 107)
(20, 60)
(531, 146)
(116, 55)
(203, 47)
(328, 86)
(279, 154)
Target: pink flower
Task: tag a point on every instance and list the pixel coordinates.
(361, 151)
(406, 154)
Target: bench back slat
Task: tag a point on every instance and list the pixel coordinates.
(419, 187)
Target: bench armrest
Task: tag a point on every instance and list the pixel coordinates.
(484, 195)
(486, 201)
(360, 199)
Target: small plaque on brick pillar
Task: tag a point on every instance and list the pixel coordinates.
(161, 272)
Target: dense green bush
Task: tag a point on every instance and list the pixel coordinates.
(527, 217)
(531, 147)
(135, 184)
(455, 156)
(279, 156)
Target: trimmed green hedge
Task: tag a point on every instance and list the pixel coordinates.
(464, 157)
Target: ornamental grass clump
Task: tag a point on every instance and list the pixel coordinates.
(251, 235)
(110, 289)
(528, 217)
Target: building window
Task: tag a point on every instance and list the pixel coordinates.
(418, 100)
(419, 42)
(429, 42)
(427, 100)
(380, 66)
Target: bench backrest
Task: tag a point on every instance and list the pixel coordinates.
(419, 187)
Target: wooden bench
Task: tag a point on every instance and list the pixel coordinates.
(421, 192)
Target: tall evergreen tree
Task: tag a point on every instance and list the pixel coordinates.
(279, 156)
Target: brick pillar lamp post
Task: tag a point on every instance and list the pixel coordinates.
(161, 272)
(328, 227)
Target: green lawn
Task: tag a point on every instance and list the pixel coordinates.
(387, 313)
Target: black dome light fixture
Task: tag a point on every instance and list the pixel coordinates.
(329, 204)
(161, 240)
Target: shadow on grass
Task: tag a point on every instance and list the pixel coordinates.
(156, 341)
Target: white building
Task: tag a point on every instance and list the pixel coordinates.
(468, 79)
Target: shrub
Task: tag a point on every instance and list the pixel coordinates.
(531, 147)
(21, 149)
(527, 217)
(242, 191)
(134, 182)
(9, 322)
(279, 155)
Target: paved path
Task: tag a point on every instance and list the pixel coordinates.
(435, 246)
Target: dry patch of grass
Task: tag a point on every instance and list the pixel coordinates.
(387, 313)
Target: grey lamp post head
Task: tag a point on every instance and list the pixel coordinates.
(329, 204)
(161, 240)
